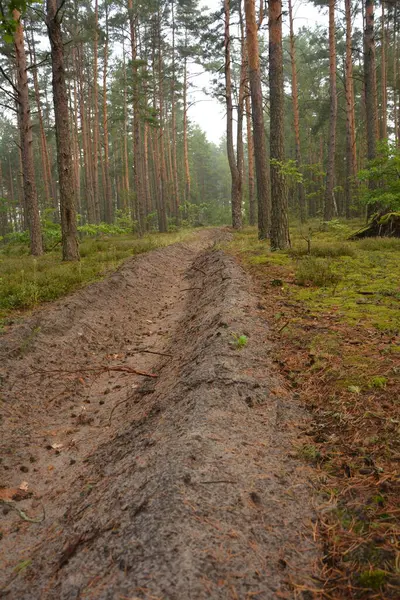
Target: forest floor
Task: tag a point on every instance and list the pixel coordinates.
(147, 441)
(199, 425)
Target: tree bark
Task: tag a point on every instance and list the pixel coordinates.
(260, 145)
(96, 118)
(296, 116)
(250, 163)
(329, 207)
(25, 127)
(137, 154)
(370, 80)
(351, 150)
(70, 248)
(236, 190)
(46, 169)
(383, 77)
(185, 132)
(108, 200)
(279, 215)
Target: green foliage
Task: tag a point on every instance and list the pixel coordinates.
(378, 382)
(289, 170)
(317, 272)
(239, 341)
(26, 281)
(8, 24)
(384, 174)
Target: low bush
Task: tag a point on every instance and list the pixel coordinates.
(315, 271)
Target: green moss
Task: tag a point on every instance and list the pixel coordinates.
(378, 382)
(373, 579)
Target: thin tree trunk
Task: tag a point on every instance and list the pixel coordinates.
(236, 197)
(383, 76)
(295, 100)
(96, 117)
(351, 150)
(260, 146)
(70, 248)
(396, 108)
(370, 80)
(46, 170)
(126, 153)
(185, 132)
(162, 218)
(85, 139)
(175, 184)
(250, 162)
(329, 207)
(108, 202)
(25, 125)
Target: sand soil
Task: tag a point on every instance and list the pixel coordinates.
(147, 441)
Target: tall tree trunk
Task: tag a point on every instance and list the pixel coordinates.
(25, 127)
(126, 152)
(260, 145)
(137, 153)
(175, 183)
(96, 200)
(329, 207)
(279, 214)
(396, 96)
(370, 80)
(162, 217)
(70, 248)
(250, 163)
(236, 196)
(351, 150)
(46, 169)
(85, 138)
(383, 76)
(295, 99)
(108, 200)
(185, 130)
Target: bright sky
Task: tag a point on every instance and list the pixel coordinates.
(209, 114)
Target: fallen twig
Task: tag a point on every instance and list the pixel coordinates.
(283, 326)
(101, 369)
(149, 352)
(21, 513)
(200, 270)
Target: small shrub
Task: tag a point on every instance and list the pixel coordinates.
(325, 250)
(239, 341)
(379, 244)
(317, 272)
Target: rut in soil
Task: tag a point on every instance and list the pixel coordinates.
(182, 485)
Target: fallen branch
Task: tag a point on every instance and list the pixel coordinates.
(101, 369)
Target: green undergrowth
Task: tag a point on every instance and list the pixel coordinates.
(26, 282)
(357, 279)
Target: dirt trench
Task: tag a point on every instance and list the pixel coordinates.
(181, 486)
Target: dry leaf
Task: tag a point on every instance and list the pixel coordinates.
(24, 486)
(56, 446)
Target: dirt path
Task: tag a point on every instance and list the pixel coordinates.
(181, 486)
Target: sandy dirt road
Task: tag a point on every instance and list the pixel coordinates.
(176, 483)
